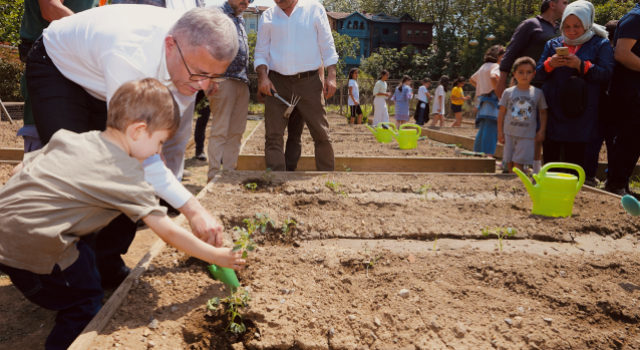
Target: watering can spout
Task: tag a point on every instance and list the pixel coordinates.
(373, 131)
(527, 183)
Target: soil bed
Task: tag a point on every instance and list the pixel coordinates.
(357, 144)
(320, 294)
(8, 131)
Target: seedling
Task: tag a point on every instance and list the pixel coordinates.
(501, 232)
(245, 243)
(335, 187)
(252, 187)
(372, 263)
(424, 189)
(286, 227)
(346, 168)
(495, 189)
(268, 175)
(238, 299)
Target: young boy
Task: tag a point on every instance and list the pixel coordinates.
(517, 117)
(76, 185)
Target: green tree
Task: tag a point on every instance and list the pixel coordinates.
(252, 36)
(346, 46)
(612, 10)
(10, 17)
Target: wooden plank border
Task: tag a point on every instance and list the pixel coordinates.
(255, 162)
(11, 155)
(97, 324)
(464, 141)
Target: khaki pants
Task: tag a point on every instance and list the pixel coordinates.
(310, 110)
(229, 109)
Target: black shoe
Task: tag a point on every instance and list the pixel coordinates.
(591, 181)
(201, 156)
(621, 191)
(112, 281)
(170, 210)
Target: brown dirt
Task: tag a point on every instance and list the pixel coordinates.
(24, 325)
(320, 295)
(8, 138)
(356, 143)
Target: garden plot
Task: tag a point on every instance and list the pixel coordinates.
(358, 145)
(390, 292)
(8, 131)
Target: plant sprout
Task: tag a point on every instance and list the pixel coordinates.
(245, 243)
(424, 189)
(238, 299)
(286, 226)
(346, 168)
(335, 187)
(372, 263)
(268, 175)
(501, 232)
(251, 186)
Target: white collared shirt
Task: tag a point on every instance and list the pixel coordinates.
(297, 43)
(102, 48)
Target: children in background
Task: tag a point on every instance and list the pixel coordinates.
(485, 80)
(76, 185)
(438, 101)
(422, 107)
(354, 97)
(457, 100)
(380, 113)
(517, 118)
(402, 96)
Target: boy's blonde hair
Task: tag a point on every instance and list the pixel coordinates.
(144, 101)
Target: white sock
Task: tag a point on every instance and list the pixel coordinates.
(537, 164)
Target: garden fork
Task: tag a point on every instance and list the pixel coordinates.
(294, 101)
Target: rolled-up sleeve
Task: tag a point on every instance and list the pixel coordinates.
(263, 44)
(164, 183)
(325, 39)
(517, 45)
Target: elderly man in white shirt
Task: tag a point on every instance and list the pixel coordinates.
(294, 39)
(79, 62)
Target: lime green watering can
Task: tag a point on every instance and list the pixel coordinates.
(382, 132)
(407, 136)
(224, 275)
(554, 193)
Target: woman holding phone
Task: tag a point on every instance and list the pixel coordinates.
(583, 46)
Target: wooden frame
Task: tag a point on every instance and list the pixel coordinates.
(463, 141)
(252, 162)
(11, 155)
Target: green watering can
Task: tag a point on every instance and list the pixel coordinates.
(224, 275)
(407, 136)
(554, 193)
(382, 132)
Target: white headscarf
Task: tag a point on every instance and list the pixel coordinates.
(585, 11)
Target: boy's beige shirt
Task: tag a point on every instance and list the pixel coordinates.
(75, 185)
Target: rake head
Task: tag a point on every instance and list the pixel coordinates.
(294, 101)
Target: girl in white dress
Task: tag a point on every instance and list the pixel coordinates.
(381, 114)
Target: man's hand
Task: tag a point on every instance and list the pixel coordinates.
(558, 61)
(502, 83)
(330, 82)
(264, 83)
(540, 135)
(203, 224)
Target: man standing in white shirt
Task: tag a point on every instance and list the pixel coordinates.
(74, 69)
(294, 39)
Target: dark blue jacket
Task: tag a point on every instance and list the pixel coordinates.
(560, 128)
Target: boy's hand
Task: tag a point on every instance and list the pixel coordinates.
(227, 258)
(501, 138)
(540, 135)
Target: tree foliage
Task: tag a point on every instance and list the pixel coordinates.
(10, 18)
(346, 46)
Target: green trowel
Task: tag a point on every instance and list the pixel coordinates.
(224, 275)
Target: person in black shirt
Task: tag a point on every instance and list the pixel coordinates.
(624, 95)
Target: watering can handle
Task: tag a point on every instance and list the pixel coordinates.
(393, 126)
(581, 175)
(413, 126)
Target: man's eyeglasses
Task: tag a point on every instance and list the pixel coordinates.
(218, 78)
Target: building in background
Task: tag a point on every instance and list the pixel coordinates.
(252, 16)
(374, 31)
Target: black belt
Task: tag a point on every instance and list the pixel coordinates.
(297, 75)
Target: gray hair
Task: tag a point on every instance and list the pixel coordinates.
(211, 28)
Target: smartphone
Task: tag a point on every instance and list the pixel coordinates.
(562, 51)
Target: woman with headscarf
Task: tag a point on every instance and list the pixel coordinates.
(589, 49)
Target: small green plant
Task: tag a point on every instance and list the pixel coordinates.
(372, 263)
(495, 189)
(346, 168)
(335, 187)
(245, 243)
(424, 189)
(501, 232)
(268, 175)
(238, 299)
(251, 187)
(286, 227)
